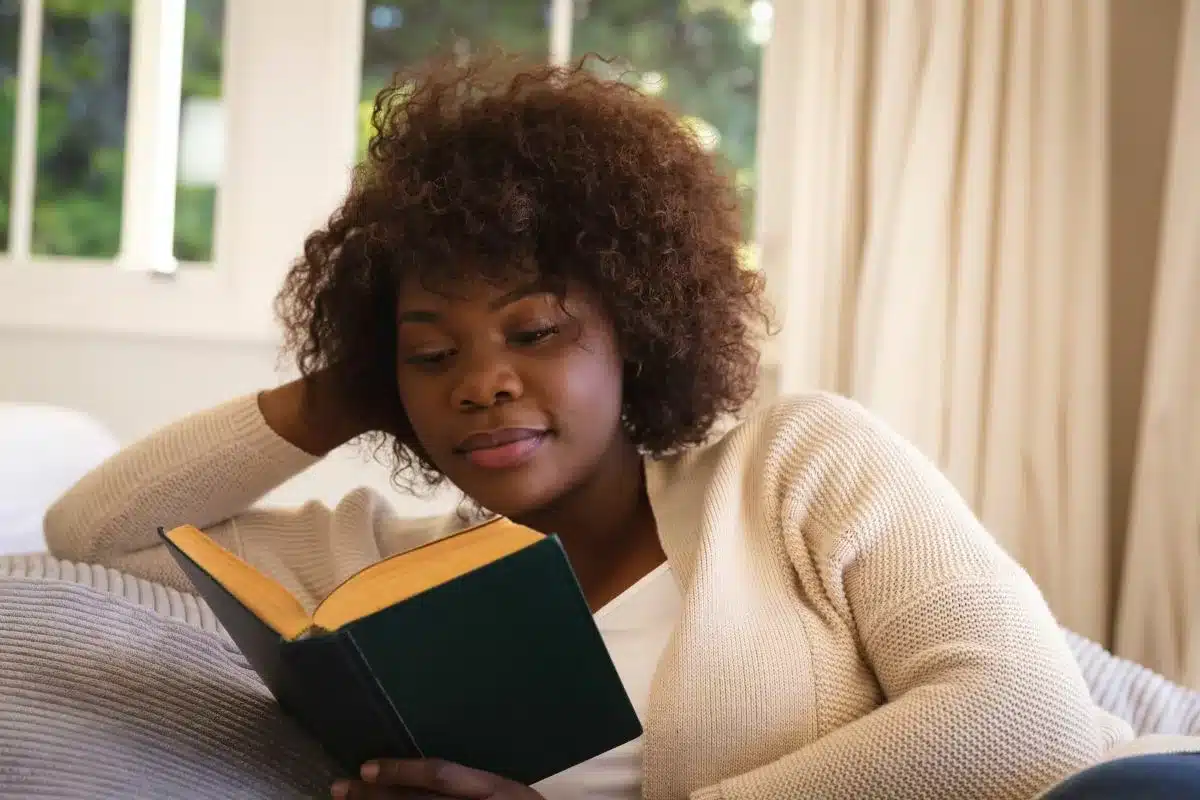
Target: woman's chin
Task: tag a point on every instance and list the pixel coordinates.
(517, 498)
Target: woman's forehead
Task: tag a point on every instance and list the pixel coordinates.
(460, 289)
(476, 287)
(467, 272)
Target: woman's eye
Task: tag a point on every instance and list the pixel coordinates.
(428, 359)
(534, 336)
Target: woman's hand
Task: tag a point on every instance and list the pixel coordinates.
(430, 778)
(306, 412)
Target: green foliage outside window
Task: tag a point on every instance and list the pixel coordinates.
(81, 124)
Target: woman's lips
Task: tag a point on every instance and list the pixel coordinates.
(508, 455)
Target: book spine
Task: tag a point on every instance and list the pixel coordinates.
(404, 745)
(327, 692)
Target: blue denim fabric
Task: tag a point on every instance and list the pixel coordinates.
(1173, 776)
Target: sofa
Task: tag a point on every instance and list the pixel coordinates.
(114, 687)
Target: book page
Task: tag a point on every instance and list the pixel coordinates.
(408, 574)
(261, 595)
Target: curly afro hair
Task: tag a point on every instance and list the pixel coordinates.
(501, 166)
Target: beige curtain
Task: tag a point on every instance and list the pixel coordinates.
(941, 254)
(1158, 621)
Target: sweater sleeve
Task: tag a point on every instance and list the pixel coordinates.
(203, 470)
(982, 695)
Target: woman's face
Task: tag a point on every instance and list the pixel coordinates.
(514, 393)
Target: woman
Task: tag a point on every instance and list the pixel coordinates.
(533, 290)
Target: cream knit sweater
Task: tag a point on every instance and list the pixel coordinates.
(849, 629)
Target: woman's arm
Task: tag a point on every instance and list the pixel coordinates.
(306, 414)
(980, 704)
(983, 696)
(203, 470)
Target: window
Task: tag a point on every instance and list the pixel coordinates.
(138, 136)
(80, 144)
(703, 56)
(148, 135)
(398, 34)
(201, 131)
(10, 25)
(72, 156)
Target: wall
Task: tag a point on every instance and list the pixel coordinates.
(136, 384)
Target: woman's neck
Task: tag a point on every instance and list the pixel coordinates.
(603, 510)
(606, 525)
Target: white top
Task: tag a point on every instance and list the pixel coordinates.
(635, 626)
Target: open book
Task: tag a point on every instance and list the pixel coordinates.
(478, 648)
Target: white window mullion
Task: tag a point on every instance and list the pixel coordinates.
(152, 136)
(562, 19)
(24, 166)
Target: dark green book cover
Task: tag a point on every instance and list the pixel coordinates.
(501, 669)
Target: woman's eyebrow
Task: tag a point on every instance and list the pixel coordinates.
(520, 292)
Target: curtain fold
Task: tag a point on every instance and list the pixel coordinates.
(947, 260)
(1158, 620)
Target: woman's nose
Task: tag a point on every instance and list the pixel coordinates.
(486, 382)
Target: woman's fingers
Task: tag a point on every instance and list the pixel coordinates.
(361, 790)
(430, 778)
(433, 775)
(364, 790)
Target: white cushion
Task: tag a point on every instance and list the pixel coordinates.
(44, 450)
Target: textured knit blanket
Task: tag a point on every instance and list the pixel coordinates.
(113, 687)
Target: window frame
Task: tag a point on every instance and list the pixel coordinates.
(269, 133)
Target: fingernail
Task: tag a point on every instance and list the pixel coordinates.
(340, 789)
(370, 771)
